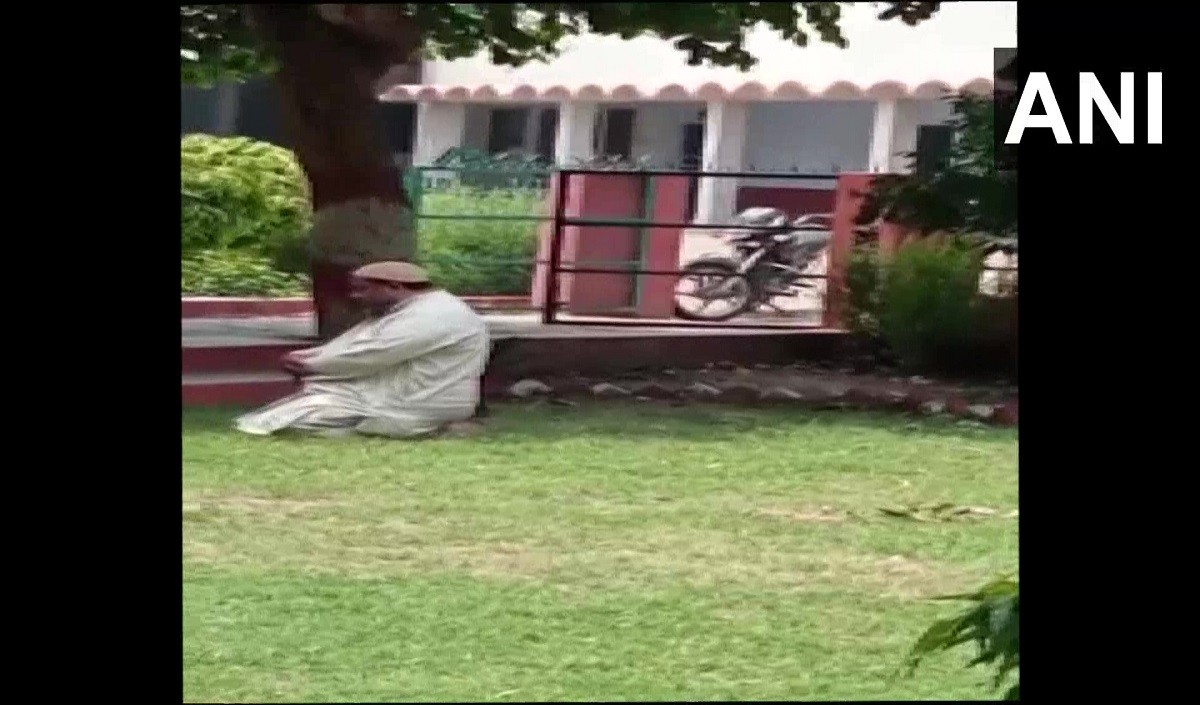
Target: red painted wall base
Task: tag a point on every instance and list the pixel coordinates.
(237, 307)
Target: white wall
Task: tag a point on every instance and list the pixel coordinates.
(819, 137)
(824, 137)
(657, 127)
(479, 123)
(933, 112)
(658, 131)
(954, 46)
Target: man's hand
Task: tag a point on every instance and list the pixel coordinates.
(294, 363)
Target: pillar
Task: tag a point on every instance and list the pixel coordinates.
(440, 126)
(851, 192)
(724, 147)
(576, 125)
(657, 199)
(880, 159)
(893, 135)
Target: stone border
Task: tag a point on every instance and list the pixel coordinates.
(915, 401)
(231, 306)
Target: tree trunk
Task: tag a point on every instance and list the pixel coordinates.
(361, 214)
(227, 106)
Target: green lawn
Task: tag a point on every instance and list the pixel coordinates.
(617, 552)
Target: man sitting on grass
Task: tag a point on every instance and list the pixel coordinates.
(412, 369)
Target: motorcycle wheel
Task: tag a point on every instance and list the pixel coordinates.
(717, 267)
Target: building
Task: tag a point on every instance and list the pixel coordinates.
(816, 110)
(251, 109)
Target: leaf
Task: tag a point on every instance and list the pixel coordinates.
(902, 513)
(1001, 587)
(216, 43)
(937, 636)
(992, 622)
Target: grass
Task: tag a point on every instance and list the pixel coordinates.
(615, 552)
(480, 257)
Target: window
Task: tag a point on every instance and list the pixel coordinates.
(618, 133)
(506, 129)
(547, 133)
(692, 149)
(933, 147)
(399, 121)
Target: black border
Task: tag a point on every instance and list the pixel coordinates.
(1095, 215)
(1005, 79)
(102, 264)
(1102, 264)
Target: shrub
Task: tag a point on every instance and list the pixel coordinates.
(249, 199)
(236, 273)
(474, 168)
(479, 256)
(240, 194)
(863, 289)
(924, 307)
(928, 310)
(993, 622)
(966, 193)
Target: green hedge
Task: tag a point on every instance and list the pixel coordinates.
(925, 307)
(993, 622)
(480, 257)
(245, 216)
(240, 194)
(235, 273)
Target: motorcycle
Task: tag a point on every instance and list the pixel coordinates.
(770, 256)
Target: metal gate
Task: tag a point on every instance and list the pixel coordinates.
(556, 268)
(461, 192)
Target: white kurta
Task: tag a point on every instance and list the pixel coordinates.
(403, 375)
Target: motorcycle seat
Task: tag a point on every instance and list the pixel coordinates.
(805, 238)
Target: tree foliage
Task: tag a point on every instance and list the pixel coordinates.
(964, 194)
(217, 42)
(992, 622)
(237, 193)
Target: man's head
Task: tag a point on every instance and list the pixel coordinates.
(382, 285)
